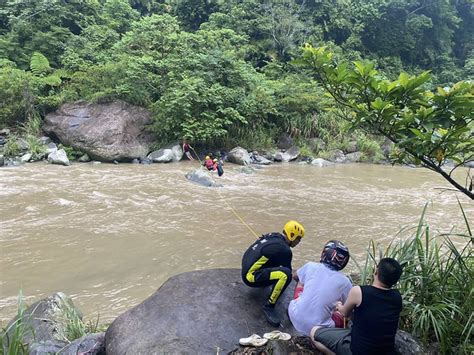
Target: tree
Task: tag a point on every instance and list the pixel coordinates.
(431, 127)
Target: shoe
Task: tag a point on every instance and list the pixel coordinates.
(277, 335)
(271, 315)
(253, 340)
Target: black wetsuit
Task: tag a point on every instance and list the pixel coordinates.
(268, 262)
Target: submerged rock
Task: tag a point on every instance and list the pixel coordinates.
(201, 177)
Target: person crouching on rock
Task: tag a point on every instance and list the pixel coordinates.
(267, 262)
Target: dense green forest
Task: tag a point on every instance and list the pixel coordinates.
(219, 72)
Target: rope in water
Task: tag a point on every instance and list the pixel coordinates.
(220, 196)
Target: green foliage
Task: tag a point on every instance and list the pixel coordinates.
(436, 284)
(72, 154)
(370, 149)
(15, 95)
(11, 338)
(12, 147)
(431, 127)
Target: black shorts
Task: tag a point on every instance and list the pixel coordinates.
(335, 339)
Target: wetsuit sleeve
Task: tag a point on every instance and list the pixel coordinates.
(278, 254)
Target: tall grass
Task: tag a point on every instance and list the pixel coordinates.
(436, 285)
(69, 326)
(11, 338)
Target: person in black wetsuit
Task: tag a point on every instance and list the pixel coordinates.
(376, 314)
(267, 262)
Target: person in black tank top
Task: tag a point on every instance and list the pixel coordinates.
(267, 262)
(377, 311)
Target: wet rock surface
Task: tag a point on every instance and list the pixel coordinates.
(106, 132)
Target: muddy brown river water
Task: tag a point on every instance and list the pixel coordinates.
(110, 235)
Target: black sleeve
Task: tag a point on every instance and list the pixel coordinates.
(278, 254)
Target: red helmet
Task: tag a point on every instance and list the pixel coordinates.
(335, 255)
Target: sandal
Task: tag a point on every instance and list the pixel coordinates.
(253, 340)
(277, 335)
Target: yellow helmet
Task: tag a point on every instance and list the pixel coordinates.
(207, 157)
(293, 230)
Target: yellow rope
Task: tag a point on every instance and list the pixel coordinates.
(240, 218)
(227, 203)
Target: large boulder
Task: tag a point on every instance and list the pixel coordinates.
(106, 132)
(197, 312)
(239, 156)
(173, 152)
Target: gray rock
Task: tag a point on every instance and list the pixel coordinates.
(239, 156)
(84, 159)
(51, 147)
(201, 177)
(2, 141)
(255, 158)
(58, 157)
(285, 141)
(191, 315)
(321, 163)
(351, 147)
(91, 344)
(337, 156)
(23, 144)
(289, 155)
(95, 162)
(145, 161)
(168, 154)
(406, 344)
(47, 347)
(353, 157)
(106, 132)
(44, 140)
(44, 321)
(26, 157)
(136, 161)
(4, 132)
(2, 160)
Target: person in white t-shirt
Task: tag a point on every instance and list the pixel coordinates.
(320, 287)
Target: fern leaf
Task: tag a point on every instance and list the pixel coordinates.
(39, 64)
(52, 80)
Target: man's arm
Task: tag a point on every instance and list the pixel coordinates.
(353, 300)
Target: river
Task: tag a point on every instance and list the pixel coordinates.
(110, 235)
